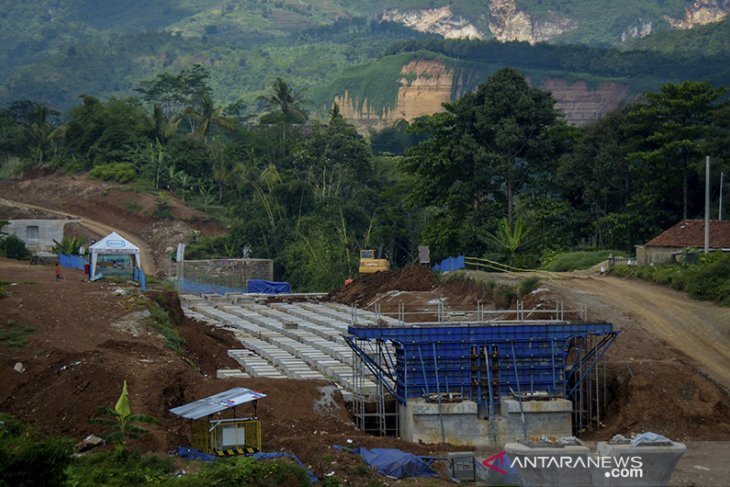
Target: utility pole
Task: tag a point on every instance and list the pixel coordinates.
(722, 178)
(707, 205)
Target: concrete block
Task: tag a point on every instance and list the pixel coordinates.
(546, 465)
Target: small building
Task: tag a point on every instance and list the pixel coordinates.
(38, 234)
(216, 427)
(671, 245)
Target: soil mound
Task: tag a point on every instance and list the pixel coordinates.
(367, 286)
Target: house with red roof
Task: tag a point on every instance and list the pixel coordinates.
(687, 234)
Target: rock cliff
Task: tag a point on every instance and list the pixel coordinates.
(701, 12)
(441, 21)
(509, 23)
(426, 84)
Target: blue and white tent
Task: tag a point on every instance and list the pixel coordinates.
(112, 244)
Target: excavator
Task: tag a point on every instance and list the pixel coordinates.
(369, 264)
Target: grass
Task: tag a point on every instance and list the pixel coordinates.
(582, 259)
(161, 322)
(132, 206)
(14, 334)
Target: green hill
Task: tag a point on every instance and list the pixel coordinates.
(54, 51)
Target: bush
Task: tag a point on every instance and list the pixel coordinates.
(121, 172)
(28, 460)
(527, 285)
(110, 469)
(252, 472)
(707, 280)
(13, 248)
(572, 261)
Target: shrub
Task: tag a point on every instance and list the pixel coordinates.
(707, 280)
(571, 261)
(13, 248)
(109, 469)
(121, 172)
(528, 285)
(26, 459)
(252, 472)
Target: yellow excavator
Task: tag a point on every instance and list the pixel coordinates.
(369, 264)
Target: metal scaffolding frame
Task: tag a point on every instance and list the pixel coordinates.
(376, 413)
(483, 362)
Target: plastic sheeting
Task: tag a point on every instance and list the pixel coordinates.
(72, 261)
(395, 463)
(450, 264)
(268, 287)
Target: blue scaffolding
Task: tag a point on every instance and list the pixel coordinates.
(485, 362)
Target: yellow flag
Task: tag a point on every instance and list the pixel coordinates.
(122, 408)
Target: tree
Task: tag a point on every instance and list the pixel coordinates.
(485, 147)
(39, 129)
(509, 123)
(678, 121)
(207, 115)
(285, 103)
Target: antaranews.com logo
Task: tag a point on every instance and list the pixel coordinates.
(612, 467)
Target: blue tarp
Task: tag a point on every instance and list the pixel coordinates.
(72, 261)
(268, 287)
(190, 286)
(450, 264)
(394, 463)
(195, 454)
(139, 276)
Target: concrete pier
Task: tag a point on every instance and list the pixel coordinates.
(421, 420)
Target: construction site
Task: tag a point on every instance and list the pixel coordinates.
(451, 367)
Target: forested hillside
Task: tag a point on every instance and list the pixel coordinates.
(499, 174)
(54, 51)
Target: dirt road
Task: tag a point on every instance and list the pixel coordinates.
(698, 330)
(148, 263)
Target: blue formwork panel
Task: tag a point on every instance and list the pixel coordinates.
(526, 357)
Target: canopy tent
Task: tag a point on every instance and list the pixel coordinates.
(112, 244)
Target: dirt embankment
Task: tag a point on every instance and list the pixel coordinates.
(87, 339)
(150, 222)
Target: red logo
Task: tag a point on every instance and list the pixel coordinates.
(495, 462)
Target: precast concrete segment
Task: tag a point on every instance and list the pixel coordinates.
(294, 352)
(657, 464)
(363, 316)
(254, 365)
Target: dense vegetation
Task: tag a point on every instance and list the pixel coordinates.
(326, 47)
(499, 174)
(707, 280)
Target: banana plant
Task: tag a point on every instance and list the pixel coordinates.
(122, 422)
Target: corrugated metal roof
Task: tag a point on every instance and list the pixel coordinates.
(217, 403)
(691, 233)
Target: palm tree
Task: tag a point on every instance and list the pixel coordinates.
(287, 101)
(208, 114)
(40, 131)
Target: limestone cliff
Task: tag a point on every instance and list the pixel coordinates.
(426, 84)
(582, 104)
(509, 23)
(640, 28)
(441, 21)
(701, 12)
(423, 87)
